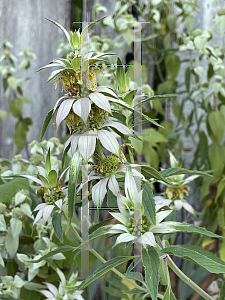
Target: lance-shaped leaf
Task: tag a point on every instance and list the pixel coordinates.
(91, 24)
(104, 268)
(46, 122)
(182, 227)
(60, 249)
(200, 256)
(57, 225)
(48, 165)
(150, 173)
(181, 171)
(75, 167)
(62, 28)
(148, 202)
(151, 263)
(132, 109)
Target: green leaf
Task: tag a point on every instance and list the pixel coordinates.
(52, 178)
(48, 165)
(182, 227)
(16, 107)
(172, 63)
(16, 226)
(75, 167)
(117, 283)
(46, 122)
(9, 189)
(62, 28)
(120, 76)
(135, 275)
(151, 155)
(217, 158)
(181, 171)
(20, 133)
(222, 292)
(157, 97)
(132, 109)
(151, 263)
(111, 200)
(96, 226)
(57, 225)
(99, 232)
(60, 249)
(12, 82)
(11, 243)
(150, 172)
(76, 63)
(153, 136)
(148, 202)
(115, 292)
(216, 122)
(199, 256)
(91, 24)
(169, 295)
(104, 268)
(163, 272)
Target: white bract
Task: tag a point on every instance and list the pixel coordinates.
(45, 210)
(99, 190)
(82, 106)
(11, 286)
(66, 289)
(86, 142)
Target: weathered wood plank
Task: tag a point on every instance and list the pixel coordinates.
(24, 24)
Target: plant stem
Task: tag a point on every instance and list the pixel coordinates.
(187, 280)
(104, 261)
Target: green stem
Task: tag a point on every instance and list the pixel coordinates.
(187, 280)
(104, 261)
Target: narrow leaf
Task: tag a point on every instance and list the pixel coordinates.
(73, 176)
(57, 225)
(150, 172)
(60, 249)
(148, 202)
(199, 256)
(46, 122)
(104, 268)
(62, 28)
(151, 263)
